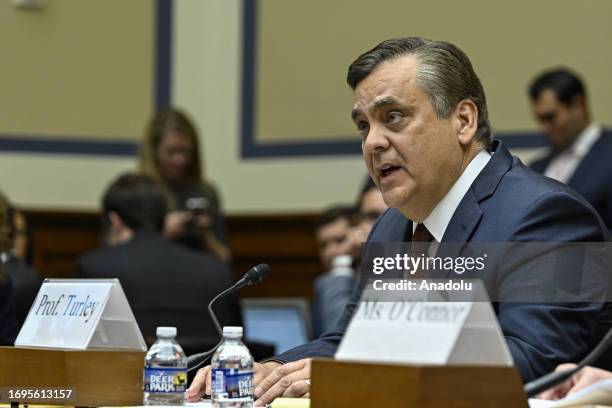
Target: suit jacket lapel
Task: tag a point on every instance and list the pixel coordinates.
(464, 221)
(459, 230)
(584, 167)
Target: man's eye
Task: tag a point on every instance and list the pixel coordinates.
(393, 118)
(547, 117)
(362, 127)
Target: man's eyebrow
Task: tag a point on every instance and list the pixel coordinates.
(381, 103)
(356, 112)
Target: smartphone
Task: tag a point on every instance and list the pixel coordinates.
(198, 205)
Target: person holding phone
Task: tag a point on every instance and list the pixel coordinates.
(170, 153)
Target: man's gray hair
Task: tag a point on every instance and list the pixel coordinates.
(444, 72)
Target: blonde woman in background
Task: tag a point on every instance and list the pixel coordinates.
(170, 153)
(8, 321)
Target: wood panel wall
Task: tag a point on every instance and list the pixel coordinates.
(285, 242)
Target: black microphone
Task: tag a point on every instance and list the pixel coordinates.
(254, 275)
(535, 387)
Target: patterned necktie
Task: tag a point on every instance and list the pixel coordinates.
(422, 234)
(419, 247)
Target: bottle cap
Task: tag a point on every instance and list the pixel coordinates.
(166, 332)
(232, 330)
(342, 261)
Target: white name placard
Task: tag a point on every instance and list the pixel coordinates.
(417, 329)
(81, 314)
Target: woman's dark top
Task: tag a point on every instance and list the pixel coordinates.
(205, 199)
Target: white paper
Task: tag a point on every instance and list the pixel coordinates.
(207, 403)
(200, 404)
(599, 393)
(538, 403)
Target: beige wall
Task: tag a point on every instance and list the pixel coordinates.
(305, 47)
(209, 89)
(77, 68)
(206, 82)
(58, 181)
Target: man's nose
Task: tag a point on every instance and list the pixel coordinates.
(376, 140)
(546, 128)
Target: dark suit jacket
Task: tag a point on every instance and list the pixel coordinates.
(331, 294)
(507, 203)
(26, 283)
(593, 176)
(8, 321)
(167, 284)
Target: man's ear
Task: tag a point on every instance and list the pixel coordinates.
(578, 101)
(116, 223)
(466, 114)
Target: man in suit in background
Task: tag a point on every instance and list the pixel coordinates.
(580, 149)
(331, 231)
(427, 142)
(334, 286)
(165, 283)
(332, 290)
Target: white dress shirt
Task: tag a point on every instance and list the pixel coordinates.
(437, 221)
(563, 165)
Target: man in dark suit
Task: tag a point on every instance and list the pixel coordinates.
(426, 139)
(165, 283)
(580, 149)
(8, 320)
(26, 283)
(331, 289)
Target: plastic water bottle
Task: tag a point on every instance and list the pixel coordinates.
(232, 372)
(342, 265)
(165, 370)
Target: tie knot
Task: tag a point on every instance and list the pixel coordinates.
(422, 234)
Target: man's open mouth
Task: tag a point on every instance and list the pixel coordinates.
(388, 170)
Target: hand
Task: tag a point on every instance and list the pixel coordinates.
(201, 384)
(202, 221)
(583, 378)
(176, 222)
(287, 380)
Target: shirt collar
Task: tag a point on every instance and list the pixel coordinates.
(437, 221)
(585, 140)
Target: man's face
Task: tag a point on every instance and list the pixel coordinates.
(561, 124)
(372, 207)
(331, 240)
(413, 156)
